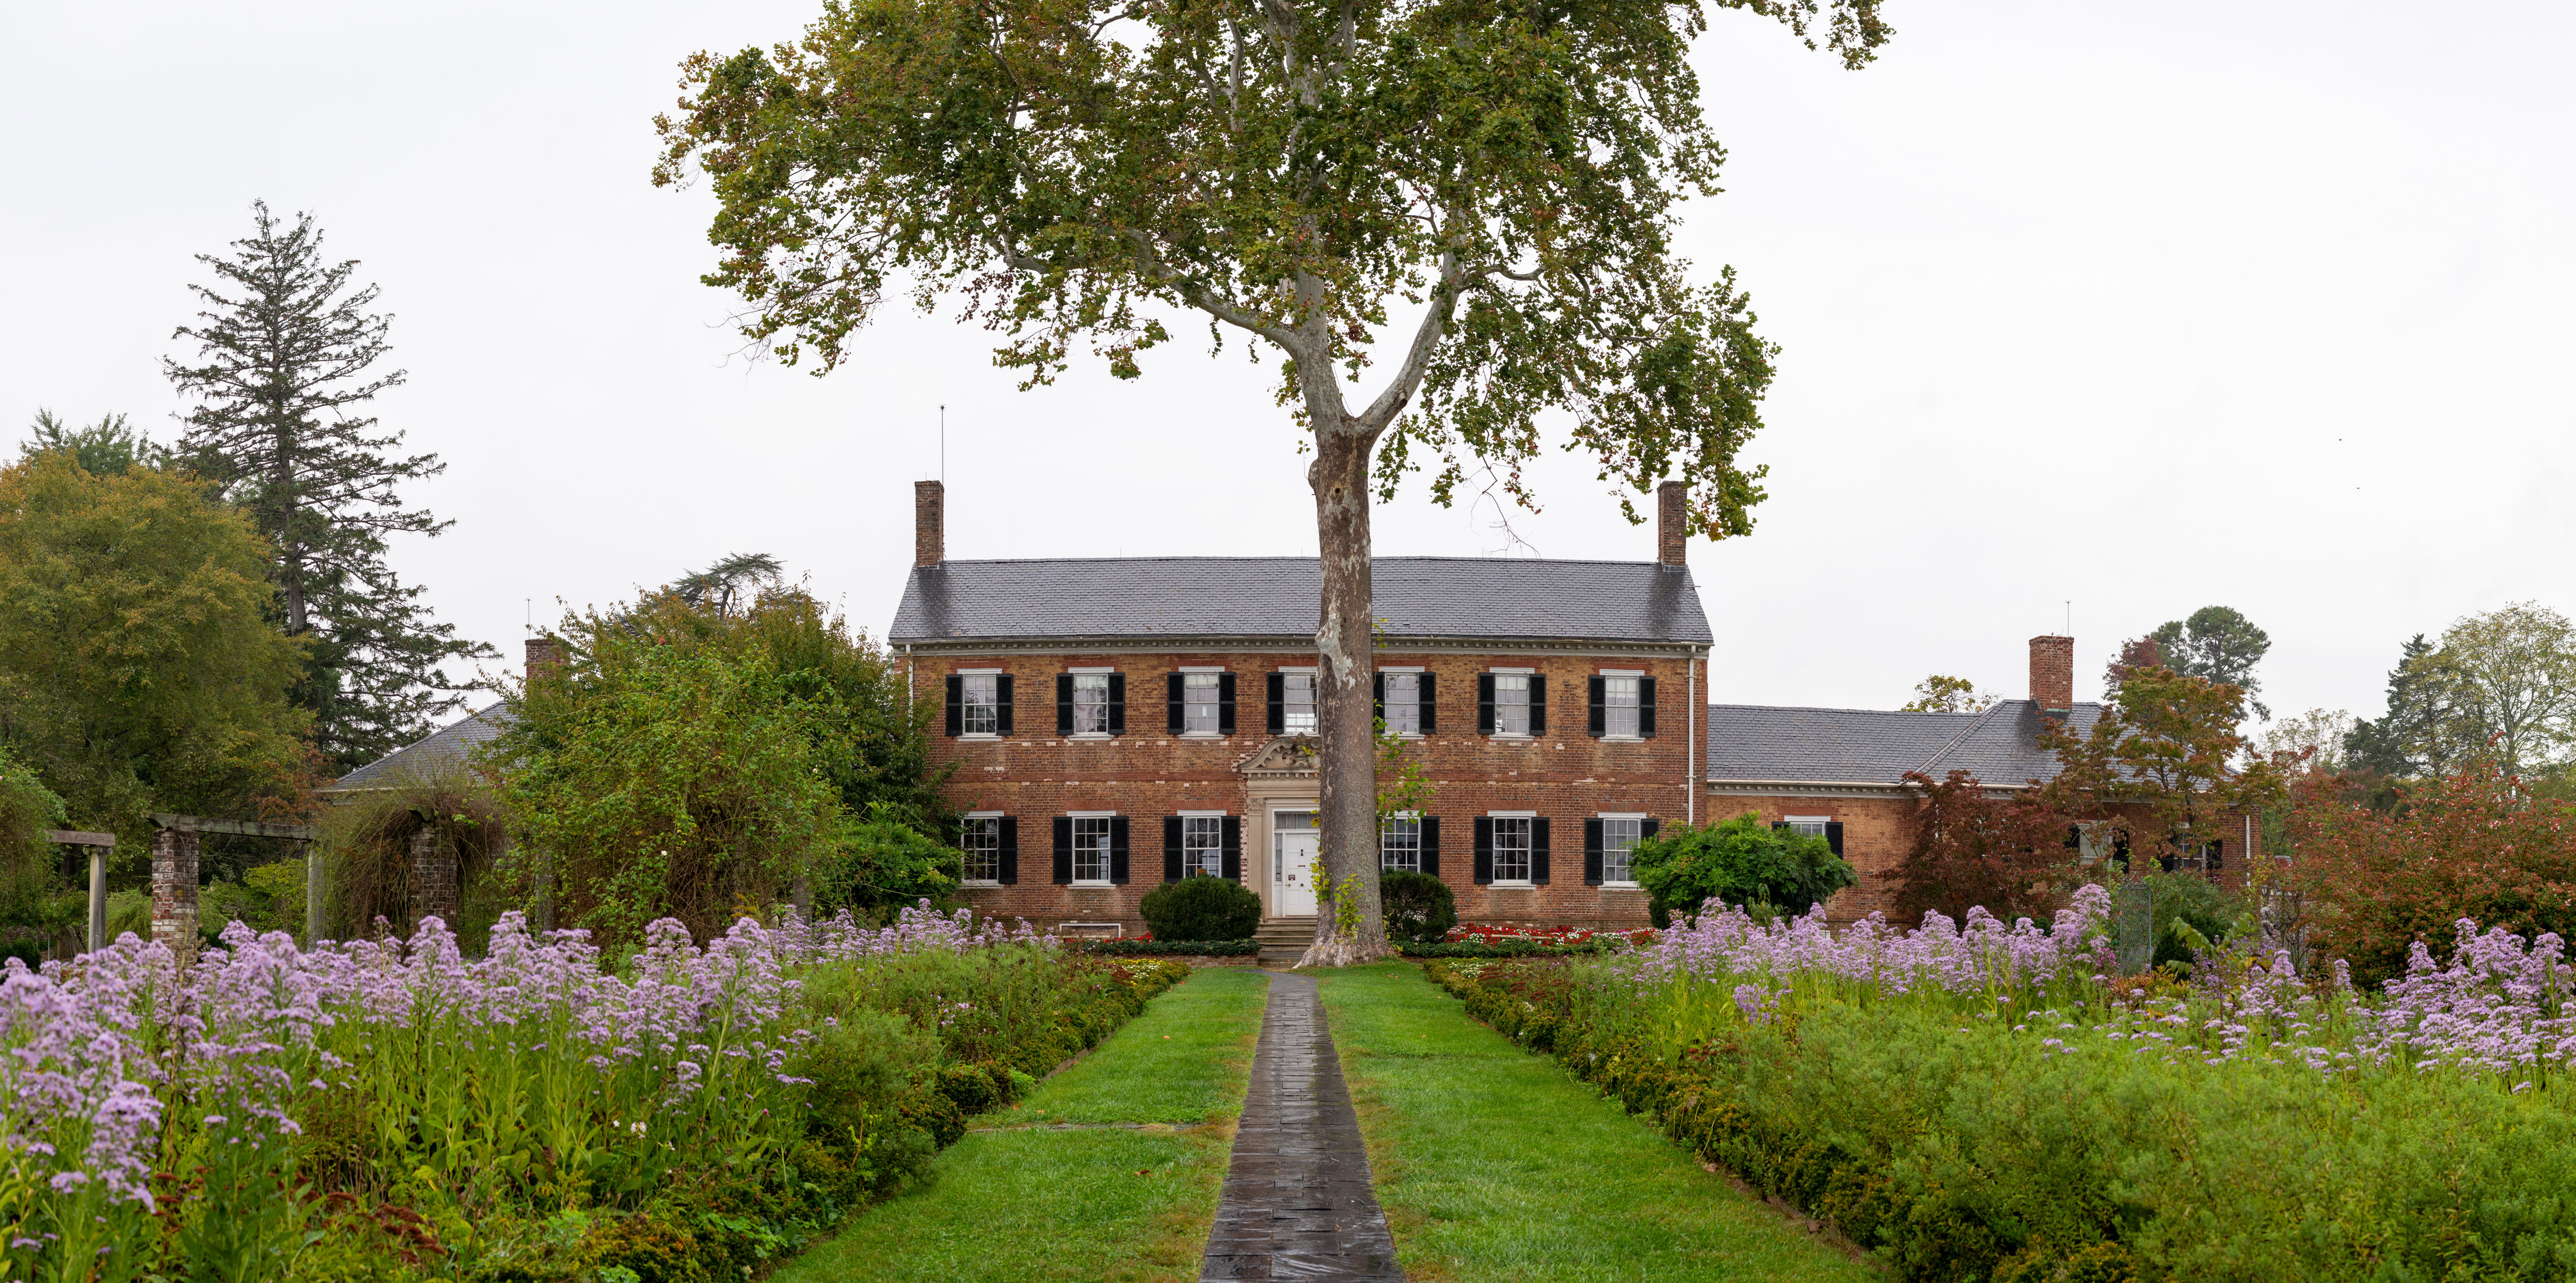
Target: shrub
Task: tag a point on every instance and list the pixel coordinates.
(1201, 909)
(1419, 907)
(1741, 861)
(366, 852)
(1166, 948)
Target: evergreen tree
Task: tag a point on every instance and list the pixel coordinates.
(2396, 745)
(2216, 644)
(110, 447)
(286, 346)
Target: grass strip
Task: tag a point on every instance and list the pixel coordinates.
(1016, 1200)
(1494, 1164)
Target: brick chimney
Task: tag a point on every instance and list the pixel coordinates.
(1672, 524)
(2052, 673)
(545, 658)
(929, 523)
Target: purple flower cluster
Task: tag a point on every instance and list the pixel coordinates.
(1980, 955)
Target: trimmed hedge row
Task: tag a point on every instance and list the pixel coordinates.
(1166, 948)
(1504, 949)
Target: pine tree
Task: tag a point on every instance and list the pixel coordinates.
(2401, 744)
(286, 346)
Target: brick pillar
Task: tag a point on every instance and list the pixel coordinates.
(1672, 524)
(2052, 672)
(929, 523)
(433, 877)
(174, 891)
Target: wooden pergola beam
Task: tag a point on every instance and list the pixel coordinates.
(240, 828)
(74, 837)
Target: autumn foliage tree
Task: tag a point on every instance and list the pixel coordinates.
(1974, 845)
(2162, 766)
(1473, 205)
(2477, 843)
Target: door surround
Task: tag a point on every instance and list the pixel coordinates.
(1279, 776)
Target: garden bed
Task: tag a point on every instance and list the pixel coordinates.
(1988, 1103)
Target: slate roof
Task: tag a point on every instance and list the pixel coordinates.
(1999, 746)
(444, 750)
(1140, 598)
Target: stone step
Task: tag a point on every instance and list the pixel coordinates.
(1285, 939)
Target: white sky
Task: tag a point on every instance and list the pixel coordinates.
(2142, 306)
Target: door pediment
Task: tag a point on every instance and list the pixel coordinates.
(1289, 757)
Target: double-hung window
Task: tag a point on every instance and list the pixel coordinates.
(1808, 825)
(1619, 834)
(1399, 844)
(1297, 703)
(1199, 703)
(982, 842)
(1512, 848)
(1091, 705)
(1402, 705)
(1512, 703)
(981, 704)
(1619, 707)
(1202, 846)
(1091, 850)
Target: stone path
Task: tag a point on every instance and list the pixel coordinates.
(1298, 1203)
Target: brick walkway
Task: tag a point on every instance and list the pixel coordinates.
(1298, 1203)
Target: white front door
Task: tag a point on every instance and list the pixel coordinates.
(1293, 845)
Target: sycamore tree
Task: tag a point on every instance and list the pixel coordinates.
(1445, 220)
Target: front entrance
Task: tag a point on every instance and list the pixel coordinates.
(1293, 847)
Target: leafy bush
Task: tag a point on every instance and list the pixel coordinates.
(1166, 948)
(32, 893)
(1741, 861)
(1503, 948)
(367, 861)
(1419, 907)
(1201, 909)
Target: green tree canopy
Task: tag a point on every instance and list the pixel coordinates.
(1741, 861)
(2217, 644)
(107, 447)
(1939, 694)
(1478, 200)
(138, 666)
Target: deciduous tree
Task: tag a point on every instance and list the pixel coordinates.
(1939, 694)
(2503, 685)
(2162, 765)
(1478, 199)
(285, 350)
(1974, 845)
(2218, 644)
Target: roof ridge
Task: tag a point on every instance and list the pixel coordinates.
(1983, 716)
(1830, 708)
(1295, 557)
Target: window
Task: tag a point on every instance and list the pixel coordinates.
(1619, 707)
(982, 704)
(1808, 825)
(1091, 706)
(1399, 843)
(1297, 703)
(1619, 836)
(982, 840)
(1402, 703)
(1202, 846)
(1512, 848)
(1199, 703)
(1091, 849)
(1511, 704)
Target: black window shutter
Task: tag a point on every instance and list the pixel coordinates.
(1377, 684)
(1646, 707)
(1064, 703)
(1779, 826)
(1225, 703)
(2074, 837)
(1063, 850)
(1431, 845)
(1010, 850)
(1430, 704)
(1484, 703)
(1177, 697)
(956, 704)
(1231, 835)
(2213, 865)
(1278, 703)
(1599, 689)
(1118, 703)
(1484, 850)
(1834, 835)
(1002, 704)
(1118, 850)
(2120, 851)
(1647, 828)
(1538, 851)
(1592, 849)
(1171, 848)
(1538, 703)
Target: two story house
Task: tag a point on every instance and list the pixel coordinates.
(1121, 723)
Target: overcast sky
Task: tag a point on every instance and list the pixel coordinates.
(2138, 306)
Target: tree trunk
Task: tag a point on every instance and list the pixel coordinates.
(1345, 694)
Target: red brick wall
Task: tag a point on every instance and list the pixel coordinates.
(1148, 773)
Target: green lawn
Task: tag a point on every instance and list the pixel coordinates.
(1018, 1199)
(1494, 1164)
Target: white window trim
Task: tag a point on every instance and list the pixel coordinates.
(1091, 815)
(1621, 672)
(981, 735)
(1513, 672)
(1297, 668)
(1201, 815)
(1400, 668)
(1202, 668)
(1621, 815)
(1091, 670)
(981, 882)
(1522, 884)
(1807, 819)
(979, 672)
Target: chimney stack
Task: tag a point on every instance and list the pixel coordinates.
(545, 658)
(2052, 673)
(1672, 524)
(929, 523)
